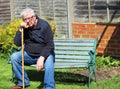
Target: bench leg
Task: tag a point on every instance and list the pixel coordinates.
(89, 77)
(92, 70)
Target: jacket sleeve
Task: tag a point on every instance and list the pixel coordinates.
(17, 38)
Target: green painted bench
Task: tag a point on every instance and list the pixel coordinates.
(70, 53)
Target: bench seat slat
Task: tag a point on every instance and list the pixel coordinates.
(57, 65)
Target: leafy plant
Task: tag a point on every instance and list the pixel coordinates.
(108, 61)
(7, 34)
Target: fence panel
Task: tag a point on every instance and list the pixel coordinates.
(5, 14)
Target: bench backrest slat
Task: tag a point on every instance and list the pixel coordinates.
(73, 52)
(73, 57)
(70, 53)
(73, 48)
(74, 44)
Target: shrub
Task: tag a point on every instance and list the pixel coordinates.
(108, 61)
(7, 34)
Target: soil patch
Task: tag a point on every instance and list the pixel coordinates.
(103, 73)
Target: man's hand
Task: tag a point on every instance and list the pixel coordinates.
(24, 25)
(40, 63)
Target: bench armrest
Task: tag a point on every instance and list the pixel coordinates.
(92, 58)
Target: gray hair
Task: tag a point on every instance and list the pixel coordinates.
(26, 11)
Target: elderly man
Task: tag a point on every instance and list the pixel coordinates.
(39, 49)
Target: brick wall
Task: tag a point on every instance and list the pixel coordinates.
(108, 35)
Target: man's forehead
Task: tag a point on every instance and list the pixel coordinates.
(28, 15)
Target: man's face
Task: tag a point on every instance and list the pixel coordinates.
(29, 19)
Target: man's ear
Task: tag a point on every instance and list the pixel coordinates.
(36, 16)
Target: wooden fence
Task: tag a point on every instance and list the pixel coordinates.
(64, 12)
(5, 14)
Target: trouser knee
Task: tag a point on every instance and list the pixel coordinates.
(15, 57)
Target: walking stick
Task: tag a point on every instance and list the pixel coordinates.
(22, 58)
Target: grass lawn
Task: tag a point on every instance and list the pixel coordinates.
(65, 79)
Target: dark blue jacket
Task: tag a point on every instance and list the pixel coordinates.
(38, 40)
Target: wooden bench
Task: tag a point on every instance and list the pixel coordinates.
(70, 53)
